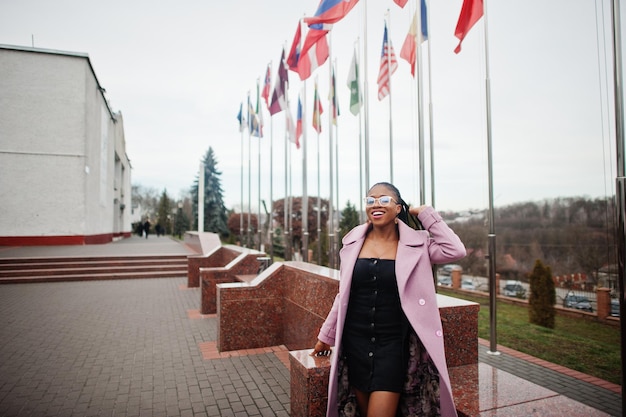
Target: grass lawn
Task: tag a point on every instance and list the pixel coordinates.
(583, 345)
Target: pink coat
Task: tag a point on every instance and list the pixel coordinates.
(417, 251)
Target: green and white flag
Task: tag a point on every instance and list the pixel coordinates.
(356, 100)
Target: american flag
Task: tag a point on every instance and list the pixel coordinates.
(387, 66)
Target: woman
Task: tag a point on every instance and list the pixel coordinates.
(385, 320)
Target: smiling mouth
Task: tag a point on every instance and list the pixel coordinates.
(377, 213)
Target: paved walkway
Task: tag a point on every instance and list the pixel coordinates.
(140, 348)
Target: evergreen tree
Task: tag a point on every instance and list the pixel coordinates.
(215, 213)
(542, 296)
(164, 224)
(349, 220)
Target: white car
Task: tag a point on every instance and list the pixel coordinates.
(467, 284)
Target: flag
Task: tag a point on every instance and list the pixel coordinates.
(259, 111)
(329, 12)
(317, 111)
(266, 86)
(334, 104)
(356, 101)
(279, 101)
(314, 52)
(291, 128)
(471, 12)
(253, 122)
(299, 121)
(388, 65)
(240, 117)
(401, 3)
(409, 47)
(294, 52)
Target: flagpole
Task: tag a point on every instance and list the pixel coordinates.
(388, 19)
(250, 115)
(291, 251)
(285, 203)
(366, 103)
(420, 110)
(333, 115)
(430, 108)
(316, 123)
(361, 144)
(271, 215)
(621, 172)
(201, 180)
(493, 344)
(259, 111)
(332, 102)
(305, 196)
(241, 208)
(335, 246)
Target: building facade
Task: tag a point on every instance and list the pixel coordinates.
(64, 172)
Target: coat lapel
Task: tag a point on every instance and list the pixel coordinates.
(407, 255)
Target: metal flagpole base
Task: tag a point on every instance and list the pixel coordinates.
(494, 353)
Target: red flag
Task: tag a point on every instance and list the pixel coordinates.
(471, 12)
(409, 47)
(401, 3)
(317, 111)
(314, 52)
(388, 65)
(266, 86)
(294, 53)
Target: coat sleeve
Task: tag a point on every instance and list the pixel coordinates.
(444, 245)
(329, 328)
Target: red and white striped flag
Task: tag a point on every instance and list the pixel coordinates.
(388, 65)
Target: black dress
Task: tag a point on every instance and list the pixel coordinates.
(375, 331)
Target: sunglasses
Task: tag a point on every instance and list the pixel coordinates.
(383, 200)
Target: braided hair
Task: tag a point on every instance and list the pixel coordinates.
(410, 219)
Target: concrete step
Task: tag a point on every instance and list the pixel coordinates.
(93, 277)
(58, 269)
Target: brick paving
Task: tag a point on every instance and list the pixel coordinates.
(125, 348)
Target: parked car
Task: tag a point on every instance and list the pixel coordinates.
(514, 289)
(444, 280)
(467, 284)
(579, 302)
(447, 269)
(614, 307)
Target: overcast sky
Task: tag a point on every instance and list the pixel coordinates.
(178, 71)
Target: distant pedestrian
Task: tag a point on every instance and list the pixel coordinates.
(146, 228)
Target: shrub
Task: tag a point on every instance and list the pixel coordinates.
(542, 296)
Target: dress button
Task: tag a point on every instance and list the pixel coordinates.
(370, 354)
(373, 339)
(422, 301)
(439, 333)
(372, 325)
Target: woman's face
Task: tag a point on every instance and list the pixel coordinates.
(381, 211)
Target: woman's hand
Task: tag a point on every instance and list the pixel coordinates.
(416, 210)
(321, 349)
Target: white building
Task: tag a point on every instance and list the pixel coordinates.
(64, 172)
